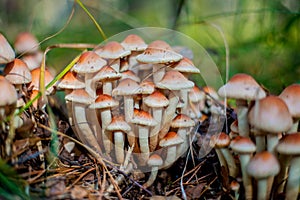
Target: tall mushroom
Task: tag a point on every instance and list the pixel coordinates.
(242, 87)
(262, 166)
(119, 126)
(291, 95)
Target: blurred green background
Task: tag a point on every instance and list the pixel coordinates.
(263, 36)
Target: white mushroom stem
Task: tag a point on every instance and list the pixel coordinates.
(119, 146)
(181, 149)
(158, 72)
(282, 176)
(232, 168)
(262, 189)
(242, 113)
(244, 160)
(107, 87)
(184, 97)
(294, 128)
(272, 141)
(84, 130)
(260, 143)
(169, 114)
(128, 108)
(221, 158)
(157, 114)
(152, 177)
(92, 119)
(143, 141)
(90, 85)
(107, 138)
(292, 185)
(171, 156)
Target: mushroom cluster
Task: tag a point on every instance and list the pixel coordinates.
(132, 94)
(264, 138)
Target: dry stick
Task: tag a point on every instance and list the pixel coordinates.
(79, 178)
(92, 152)
(103, 182)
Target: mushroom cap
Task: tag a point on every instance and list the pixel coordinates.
(26, 42)
(35, 82)
(234, 127)
(142, 117)
(211, 91)
(182, 121)
(291, 95)
(107, 73)
(155, 160)
(147, 87)
(126, 86)
(7, 53)
(112, 50)
(156, 100)
(79, 96)
(263, 165)
(33, 60)
(242, 145)
(174, 80)
(134, 42)
(70, 81)
(118, 124)
(159, 52)
(221, 140)
(289, 144)
(185, 65)
(17, 72)
(104, 101)
(8, 94)
(89, 62)
(196, 95)
(130, 74)
(270, 114)
(170, 139)
(242, 86)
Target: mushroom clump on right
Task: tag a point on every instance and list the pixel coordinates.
(264, 138)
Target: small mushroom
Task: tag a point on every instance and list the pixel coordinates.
(155, 161)
(26, 43)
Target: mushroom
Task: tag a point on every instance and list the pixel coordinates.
(242, 87)
(155, 161)
(26, 43)
(270, 115)
(107, 75)
(143, 120)
(127, 88)
(80, 100)
(87, 65)
(221, 143)
(35, 82)
(33, 60)
(130, 74)
(183, 124)
(196, 101)
(288, 146)
(173, 81)
(244, 147)
(156, 102)
(262, 166)
(290, 95)
(113, 52)
(7, 54)
(170, 141)
(119, 126)
(158, 53)
(104, 103)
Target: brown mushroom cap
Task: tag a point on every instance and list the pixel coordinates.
(7, 54)
(196, 95)
(134, 42)
(118, 124)
(242, 86)
(35, 82)
(8, 94)
(291, 95)
(79, 96)
(174, 80)
(26, 42)
(289, 144)
(89, 62)
(185, 65)
(17, 72)
(127, 86)
(159, 52)
(107, 73)
(70, 81)
(155, 160)
(270, 114)
(142, 117)
(112, 50)
(182, 121)
(170, 139)
(130, 74)
(156, 99)
(104, 101)
(221, 140)
(242, 145)
(263, 165)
